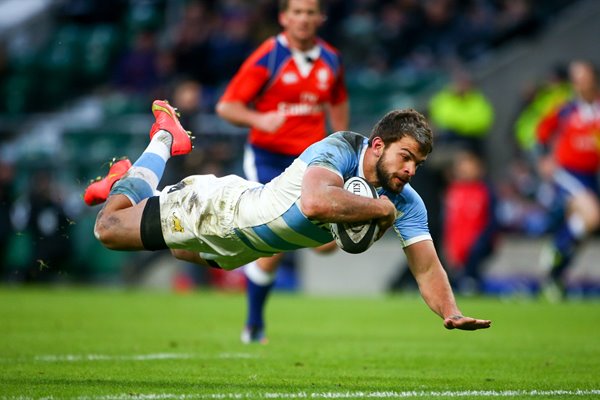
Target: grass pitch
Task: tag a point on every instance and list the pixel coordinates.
(90, 343)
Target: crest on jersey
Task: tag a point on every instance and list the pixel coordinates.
(323, 78)
(176, 224)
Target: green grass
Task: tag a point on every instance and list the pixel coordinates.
(107, 344)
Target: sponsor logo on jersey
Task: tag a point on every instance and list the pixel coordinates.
(294, 109)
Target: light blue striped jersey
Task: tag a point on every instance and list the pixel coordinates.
(269, 219)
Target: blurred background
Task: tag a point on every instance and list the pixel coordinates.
(77, 79)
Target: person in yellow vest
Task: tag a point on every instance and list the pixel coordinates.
(462, 114)
(551, 93)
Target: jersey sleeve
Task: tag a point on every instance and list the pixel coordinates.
(411, 221)
(250, 78)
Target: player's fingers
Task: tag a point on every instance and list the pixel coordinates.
(475, 324)
(483, 324)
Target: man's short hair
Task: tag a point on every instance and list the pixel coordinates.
(400, 123)
(284, 4)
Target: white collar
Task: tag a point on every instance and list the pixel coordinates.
(301, 58)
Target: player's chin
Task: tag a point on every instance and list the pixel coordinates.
(397, 186)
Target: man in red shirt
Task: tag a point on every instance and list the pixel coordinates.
(283, 92)
(571, 136)
(469, 226)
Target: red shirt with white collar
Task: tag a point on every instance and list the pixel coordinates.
(299, 84)
(573, 132)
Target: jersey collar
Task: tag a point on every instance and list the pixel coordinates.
(361, 158)
(361, 162)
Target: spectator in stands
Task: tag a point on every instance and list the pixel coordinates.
(538, 101)
(570, 140)
(283, 93)
(232, 45)
(436, 41)
(462, 114)
(136, 71)
(469, 226)
(191, 42)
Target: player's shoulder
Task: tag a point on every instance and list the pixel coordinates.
(327, 46)
(340, 149)
(265, 47)
(330, 55)
(261, 54)
(568, 108)
(355, 139)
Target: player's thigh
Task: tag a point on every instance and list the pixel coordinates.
(270, 264)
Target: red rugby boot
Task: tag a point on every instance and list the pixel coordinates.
(166, 119)
(98, 190)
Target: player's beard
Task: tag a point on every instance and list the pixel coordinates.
(385, 178)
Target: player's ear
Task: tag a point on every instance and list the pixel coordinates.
(322, 19)
(377, 145)
(282, 18)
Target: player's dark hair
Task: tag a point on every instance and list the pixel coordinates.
(284, 4)
(399, 123)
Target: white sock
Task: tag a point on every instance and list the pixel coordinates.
(257, 275)
(577, 226)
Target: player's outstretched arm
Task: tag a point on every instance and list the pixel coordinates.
(435, 288)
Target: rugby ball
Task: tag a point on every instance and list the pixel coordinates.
(356, 237)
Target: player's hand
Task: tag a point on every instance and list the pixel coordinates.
(270, 121)
(466, 323)
(385, 222)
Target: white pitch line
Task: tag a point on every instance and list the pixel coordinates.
(106, 357)
(329, 395)
(134, 357)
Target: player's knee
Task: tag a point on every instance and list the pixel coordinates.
(104, 231)
(594, 220)
(589, 208)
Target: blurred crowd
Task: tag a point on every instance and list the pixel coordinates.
(146, 47)
(188, 50)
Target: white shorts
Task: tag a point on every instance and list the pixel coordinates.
(198, 214)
